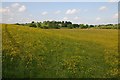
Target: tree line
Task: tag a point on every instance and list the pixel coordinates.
(66, 24)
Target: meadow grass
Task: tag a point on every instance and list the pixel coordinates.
(59, 53)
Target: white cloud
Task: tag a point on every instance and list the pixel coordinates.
(71, 11)
(18, 7)
(14, 8)
(15, 5)
(103, 8)
(4, 10)
(22, 8)
(44, 13)
(57, 12)
(30, 15)
(13, 13)
(76, 18)
(115, 15)
(98, 18)
(113, 0)
(65, 19)
(26, 19)
(11, 18)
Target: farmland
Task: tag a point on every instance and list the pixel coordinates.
(59, 53)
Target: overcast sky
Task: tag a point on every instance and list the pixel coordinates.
(77, 12)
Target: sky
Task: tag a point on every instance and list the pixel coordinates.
(59, 0)
(76, 12)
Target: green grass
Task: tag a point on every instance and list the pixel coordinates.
(59, 53)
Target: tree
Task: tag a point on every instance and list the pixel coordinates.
(91, 26)
(38, 24)
(75, 25)
(82, 26)
(45, 27)
(32, 24)
(70, 26)
(17, 24)
(86, 26)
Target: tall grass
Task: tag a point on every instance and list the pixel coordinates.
(64, 53)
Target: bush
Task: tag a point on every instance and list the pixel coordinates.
(70, 26)
(17, 24)
(45, 27)
(57, 27)
(32, 25)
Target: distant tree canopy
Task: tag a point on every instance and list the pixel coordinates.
(66, 24)
(33, 24)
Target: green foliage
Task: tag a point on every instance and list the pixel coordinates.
(70, 26)
(91, 26)
(82, 26)
(38, 24)
(45, 27)
(107, 27)
(32, 24)
(17, 24)
(75, 25)
(66, 24)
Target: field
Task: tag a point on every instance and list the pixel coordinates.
(59, 53)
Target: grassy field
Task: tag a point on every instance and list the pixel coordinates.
(59, 53)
